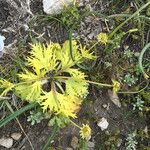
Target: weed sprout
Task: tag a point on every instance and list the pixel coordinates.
(130, 79)
(138, 103)
(35, 117)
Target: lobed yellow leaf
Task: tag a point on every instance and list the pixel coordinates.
(59, 103)
(29, 91)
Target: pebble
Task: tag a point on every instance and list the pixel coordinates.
(106, 106)
(103, 124)
(6, 142)
(16, 136)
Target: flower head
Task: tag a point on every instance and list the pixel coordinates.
(103, 38)
(116, 86)
(85, 131)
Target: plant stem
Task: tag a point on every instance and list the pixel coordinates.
(123, 23)
(71, 52)
(128, 15)
(72, 56)
(51, 137)
(141, 58)
(135, 92)
(92, 82)
(75, 124)
(93, 46)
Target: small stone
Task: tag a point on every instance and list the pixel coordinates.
(16, 136)
(125, 47)
(136, 54)
(91, 144)
(74, 142)
(106, 106)
(103, 124)
(6, 142)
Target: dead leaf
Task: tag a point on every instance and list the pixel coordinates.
(114, 98)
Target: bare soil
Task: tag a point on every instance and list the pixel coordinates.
(15, 18)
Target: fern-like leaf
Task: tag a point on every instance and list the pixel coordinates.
(6, 85)
(43, 58)
(59, 104)
(29, 92)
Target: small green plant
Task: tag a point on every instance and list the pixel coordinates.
(131, 141)
(138, 103)
(60, 121)
(70, 17)
(35, 117)
(137, 69)
(112, 140)
(130, 79)
(128, 53)
(83, 144)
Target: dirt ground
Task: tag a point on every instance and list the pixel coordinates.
(15, 17)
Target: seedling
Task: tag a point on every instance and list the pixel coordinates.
(130, 79)
(128, 53)
(35, 117)
(138, 103)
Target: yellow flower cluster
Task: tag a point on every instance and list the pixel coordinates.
(116, 86)
(85, 131)
(102, 38)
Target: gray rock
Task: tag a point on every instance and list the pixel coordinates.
(6, 142)
(103, 124)
(53, 7)
(16, 136)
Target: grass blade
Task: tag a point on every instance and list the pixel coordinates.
(51, 137)
(17, 113)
